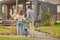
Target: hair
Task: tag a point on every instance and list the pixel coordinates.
(21, 12)
(25, 16)
(29, 7)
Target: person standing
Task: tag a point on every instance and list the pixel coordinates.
(25, 27)
(30, 18)
(20, 18)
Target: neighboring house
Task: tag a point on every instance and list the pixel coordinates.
(46, 8)
(57, 2)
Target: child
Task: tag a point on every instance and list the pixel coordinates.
(25, 26)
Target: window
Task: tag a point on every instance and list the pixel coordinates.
(48, 10)
(42, 0)
(3, 9)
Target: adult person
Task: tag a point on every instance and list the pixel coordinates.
(20, 18)
(30, 18)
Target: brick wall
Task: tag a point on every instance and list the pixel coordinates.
(58, 16)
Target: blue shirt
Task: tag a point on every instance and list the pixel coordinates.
(30, 15)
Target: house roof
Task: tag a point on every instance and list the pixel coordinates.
(12, 1)
(53, 1)
(20, 1)
(50, 1)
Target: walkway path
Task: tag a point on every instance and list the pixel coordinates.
(43, 36)
(38, 36)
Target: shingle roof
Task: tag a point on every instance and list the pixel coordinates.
(11, 1)
(53, 1)
(50, 1)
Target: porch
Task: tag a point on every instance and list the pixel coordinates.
(11, 7)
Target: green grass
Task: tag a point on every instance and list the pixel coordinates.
(8, 31)
(4, 30)
(43, 28)
(7, 38)
(57, 24)
(56, 29)
(57, 32)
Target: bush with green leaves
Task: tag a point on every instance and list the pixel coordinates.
(57, 23)
(47, 19)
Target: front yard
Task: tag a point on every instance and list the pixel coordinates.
(7, 38)
(55, 29)
(4, 31)
(46, 29)
(7, 31)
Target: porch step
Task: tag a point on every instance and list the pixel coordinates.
(8, 22)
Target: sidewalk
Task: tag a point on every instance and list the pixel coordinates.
(14, 36)
(43, 36)
(38, 36)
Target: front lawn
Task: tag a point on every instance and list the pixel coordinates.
(57, 32)
(7, 31)
(7, 38)
(56, 29)
(4, 30)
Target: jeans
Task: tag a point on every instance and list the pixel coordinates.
(26, 32)
(20, 27)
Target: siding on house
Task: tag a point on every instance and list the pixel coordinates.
(58, 12)
(58, 8)
(53, 1)
(57, 2)
(58, 16)
(52, 9)
(45, 8)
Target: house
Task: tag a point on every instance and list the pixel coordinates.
(48, 8)
(45, 7)
(57, 2)
(9, 6)
(41, 7)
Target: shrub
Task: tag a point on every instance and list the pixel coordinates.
(47, 19)
(57, 23)
(47, 16)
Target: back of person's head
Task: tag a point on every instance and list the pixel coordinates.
(29, 7)
(25, 16)
(21, 12)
